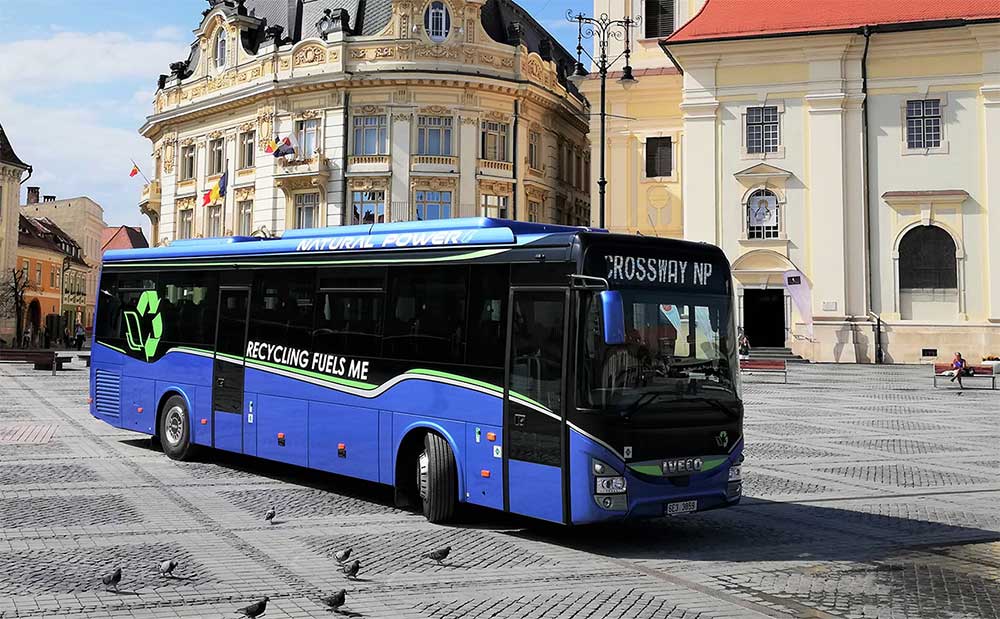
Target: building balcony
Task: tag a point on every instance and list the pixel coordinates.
(150, 200)
(305, 166)
(498, 169)
(369, 164)
(434, 163)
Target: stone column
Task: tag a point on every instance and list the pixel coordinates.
(468, 156)
(400, 134)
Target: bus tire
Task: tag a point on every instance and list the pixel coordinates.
(437, 479)
(175, 429)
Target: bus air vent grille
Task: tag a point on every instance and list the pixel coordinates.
(107, 392)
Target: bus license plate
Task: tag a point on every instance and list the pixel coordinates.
(682, 507)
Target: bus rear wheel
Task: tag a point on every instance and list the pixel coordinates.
(437, 479)
(175, 429)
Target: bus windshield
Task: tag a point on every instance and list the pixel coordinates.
(678, 346)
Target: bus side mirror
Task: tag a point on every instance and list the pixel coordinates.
(613, 313)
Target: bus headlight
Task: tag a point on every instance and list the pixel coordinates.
(735, 473)
(610, 485)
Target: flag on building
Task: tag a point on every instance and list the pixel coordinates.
(272, 146)
(135, 170)
(287, 146)
(217, 191)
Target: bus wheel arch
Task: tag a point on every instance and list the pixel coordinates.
(428, 457)
(173, 425)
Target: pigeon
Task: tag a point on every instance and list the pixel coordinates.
(167, 568)
(112, 579)
(254, 610)
(351, 571)
(335, 601)
(269, 516)
(342, 555)
(439, 555)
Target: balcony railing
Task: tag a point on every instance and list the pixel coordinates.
(305, 166)
(368, 159)
(151, 192)
(435, 160)
(490, 167)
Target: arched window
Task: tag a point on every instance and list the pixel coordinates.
(437, 22)
(763, 218)
(220, 48)
(927, 260)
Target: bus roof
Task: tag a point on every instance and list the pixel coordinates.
(435, 234)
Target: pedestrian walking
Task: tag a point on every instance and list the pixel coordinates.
(80, 336)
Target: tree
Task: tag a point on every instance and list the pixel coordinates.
(13, 289)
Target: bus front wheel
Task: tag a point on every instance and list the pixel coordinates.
(437, 479)
(175, 429)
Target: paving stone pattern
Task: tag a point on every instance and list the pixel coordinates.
(869, 494)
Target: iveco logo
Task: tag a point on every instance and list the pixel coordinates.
(722, 440)
(682, 465)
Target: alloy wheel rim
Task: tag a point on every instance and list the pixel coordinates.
(175, 425)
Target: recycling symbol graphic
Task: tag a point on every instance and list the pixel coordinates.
(146, 312)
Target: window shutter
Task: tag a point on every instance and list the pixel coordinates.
(659, 18)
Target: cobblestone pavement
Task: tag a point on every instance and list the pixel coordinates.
(871, 494)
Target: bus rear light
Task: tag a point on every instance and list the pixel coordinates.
(204, 422)
(485, 473)
(281, 439)
(138, 409)
(491, 436)
(341, 450)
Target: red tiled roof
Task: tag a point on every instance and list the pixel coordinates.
(736, 19)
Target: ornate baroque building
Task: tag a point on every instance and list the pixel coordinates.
(398, 110)
(12, 171)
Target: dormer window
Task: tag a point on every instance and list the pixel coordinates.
(437, 22)
(220, 48)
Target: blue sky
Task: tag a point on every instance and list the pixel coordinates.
(78, 78)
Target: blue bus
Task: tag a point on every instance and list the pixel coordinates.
(561, 373)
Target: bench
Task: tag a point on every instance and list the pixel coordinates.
(42, 359)
(978, 371)
(765, 366)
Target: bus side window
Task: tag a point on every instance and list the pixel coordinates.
(282, 308)
(488, 286)
(188, 304)
(425, 314)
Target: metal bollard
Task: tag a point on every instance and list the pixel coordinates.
(55, 360)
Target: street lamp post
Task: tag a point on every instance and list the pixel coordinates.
(603, 29)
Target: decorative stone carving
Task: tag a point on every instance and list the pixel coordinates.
(184, 204)
(187, 142)
(265, 124)
(435, 110)
(534, 68)
(436, 51)
(285, 63)
(433, 183)
(536, 192)
(495, 188)
(368, 110)
(402, 117)
(368, 183)
(168, 148)
(247, 126)
(359, 53)
(400, 95)
(242, 194)
(383, 52)
(310, 54)
(496, 116)
(468, 120)
(309, 114)
(215, 135)
(294, 183)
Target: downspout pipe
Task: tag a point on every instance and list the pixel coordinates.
(517, 186)
(345, 205)
(867, 32)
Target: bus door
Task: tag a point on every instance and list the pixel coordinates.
(533, 403)
(228, 369)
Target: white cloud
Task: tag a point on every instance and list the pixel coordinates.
(168, 33)
(79, 143)
(67, 58)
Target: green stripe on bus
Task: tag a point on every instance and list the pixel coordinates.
(114, 348)
(483, 253)
(478, 383)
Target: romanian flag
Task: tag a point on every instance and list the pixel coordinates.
(217, 191)
(135, 170)
(287, 146)
(272, 146)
